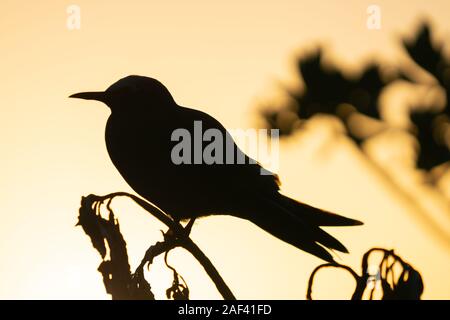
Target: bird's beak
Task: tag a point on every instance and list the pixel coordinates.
(94, 95)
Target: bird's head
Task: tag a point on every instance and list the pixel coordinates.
(132, 93)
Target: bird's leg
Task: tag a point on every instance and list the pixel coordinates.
(170, 232)
(188, 227)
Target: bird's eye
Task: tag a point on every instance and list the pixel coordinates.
(125, 90)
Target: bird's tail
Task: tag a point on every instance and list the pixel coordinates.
(298, 224)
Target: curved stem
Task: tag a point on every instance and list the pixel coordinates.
(326, 265)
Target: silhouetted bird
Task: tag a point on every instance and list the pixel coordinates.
(138, 138)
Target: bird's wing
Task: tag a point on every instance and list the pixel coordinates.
(241, 176)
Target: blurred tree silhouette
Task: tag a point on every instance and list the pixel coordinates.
(432, 126)
(328, 90)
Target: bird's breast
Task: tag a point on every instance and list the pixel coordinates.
(141, 152)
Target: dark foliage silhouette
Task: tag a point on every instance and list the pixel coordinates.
(329, 90)
(119, 282)
(432, 125)
(139, 141)
(430, 137)
(326, 89)
(407, 285)
(117, 278)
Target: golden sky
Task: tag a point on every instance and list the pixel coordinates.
(220, 57)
